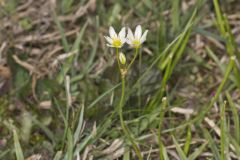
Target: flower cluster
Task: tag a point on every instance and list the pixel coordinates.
(134, 40)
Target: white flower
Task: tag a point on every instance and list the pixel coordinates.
(115, 40)
(137, 39)
(122, 58)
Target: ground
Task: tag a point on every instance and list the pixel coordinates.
(60, 85)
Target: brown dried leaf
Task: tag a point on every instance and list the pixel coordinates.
(5, 72)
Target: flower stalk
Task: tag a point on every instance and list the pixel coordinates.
(123, 124)
(117, 54)
(135, 41)
(134, 58)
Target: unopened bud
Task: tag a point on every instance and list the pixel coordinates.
(122, 58)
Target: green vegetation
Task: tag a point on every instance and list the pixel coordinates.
(64, 95)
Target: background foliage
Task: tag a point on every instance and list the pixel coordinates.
(59, 83)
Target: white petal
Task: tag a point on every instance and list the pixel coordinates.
(109, 40)
(143, 38)
(123, 40)
(138, 32)
(122, 33)
(112, 32)
(130, 35)
(128, 41)
(110, 45)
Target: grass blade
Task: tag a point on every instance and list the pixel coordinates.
(18, 149)
(87, 67)
(175, 15)
(201, 115)
(4, 153)
(103, 95)
(224, 139)
(70, 145)
(65, 43)
(198, 151)
(161, 116)
(75, 48)
(235, 117)
(212, 144)
(181, 153)
(188, 140)
(79, 127)
(58, 155)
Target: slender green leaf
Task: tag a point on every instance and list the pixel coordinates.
(212, 144)
(188, 140)
(198, 151)
(79, 127)
(65, 43)
(58, 155)
(235, 117)
(70, 145)
(18, 149)
(181, 153)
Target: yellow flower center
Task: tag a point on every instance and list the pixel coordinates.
(117, 43)
(136, 43)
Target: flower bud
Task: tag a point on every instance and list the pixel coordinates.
(122, 58)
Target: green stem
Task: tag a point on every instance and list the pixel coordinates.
(139, 84)
(134, 58)
(124, 126)
(161, 116)
(117, 52)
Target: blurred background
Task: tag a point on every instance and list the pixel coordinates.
(44, 115)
